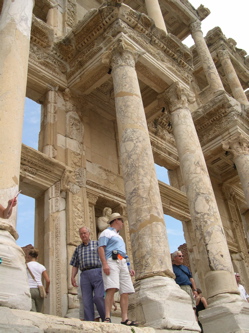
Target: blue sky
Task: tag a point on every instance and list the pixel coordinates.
(232, 18)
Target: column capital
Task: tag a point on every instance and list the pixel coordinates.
(195, 26)
(238, 146)
(92, 198)
(223, 54)
(177, 96)
(122, 54)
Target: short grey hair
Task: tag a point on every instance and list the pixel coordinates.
(175, 254)
(84, 227)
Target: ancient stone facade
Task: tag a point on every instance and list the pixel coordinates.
(119, 91)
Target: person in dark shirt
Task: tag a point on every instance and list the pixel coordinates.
(183, 276)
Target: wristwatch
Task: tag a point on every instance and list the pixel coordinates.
(194, 289)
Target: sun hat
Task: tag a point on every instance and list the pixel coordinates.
(114, 216)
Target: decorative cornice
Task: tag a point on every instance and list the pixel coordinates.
(41, 33)
(174, 202)
(39, 169)
(216, 110)
(216, 36)
(111, 21)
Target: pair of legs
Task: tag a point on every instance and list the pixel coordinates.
(118, 279)
(109, 298)
(37, 300)
(92, 288)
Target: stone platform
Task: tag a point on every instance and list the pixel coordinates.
(20, 321)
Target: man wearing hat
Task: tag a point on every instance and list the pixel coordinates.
(115, 272)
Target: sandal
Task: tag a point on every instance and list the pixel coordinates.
(128, 322)
(107, 320)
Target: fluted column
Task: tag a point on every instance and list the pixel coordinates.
(154, 11)
(232, 78)
(209, 68)
(239, 148)
(155, 286)
(15, 26)
(210, 238)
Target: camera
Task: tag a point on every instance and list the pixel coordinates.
(114, 254)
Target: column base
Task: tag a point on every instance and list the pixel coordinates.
(14, 289)
(160, 303)
(227, 318)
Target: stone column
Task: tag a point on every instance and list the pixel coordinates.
(239, 148)
(154, 11)
(15, 26)
(216, 265)
(209, 68)
(155, 287)
(232, 78)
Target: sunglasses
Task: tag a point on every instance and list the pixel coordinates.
(180, 256)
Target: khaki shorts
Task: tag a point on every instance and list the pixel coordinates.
(189, 291)
(119, 277)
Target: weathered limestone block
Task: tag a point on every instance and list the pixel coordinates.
(230, 318)
(18, 321)
(161, 310)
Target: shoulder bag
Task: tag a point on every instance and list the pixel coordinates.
(41, 288)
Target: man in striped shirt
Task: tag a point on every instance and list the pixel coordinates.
(86, 259)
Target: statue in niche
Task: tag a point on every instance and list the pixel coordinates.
(102, 220)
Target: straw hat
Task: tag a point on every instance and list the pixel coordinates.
(115, 216)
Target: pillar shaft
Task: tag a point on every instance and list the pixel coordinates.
(154, 11)
(155, 287)
(239, 147)
(209, 68)
(232, 77)
(143, 199)
(210, 237)
(15, 26)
